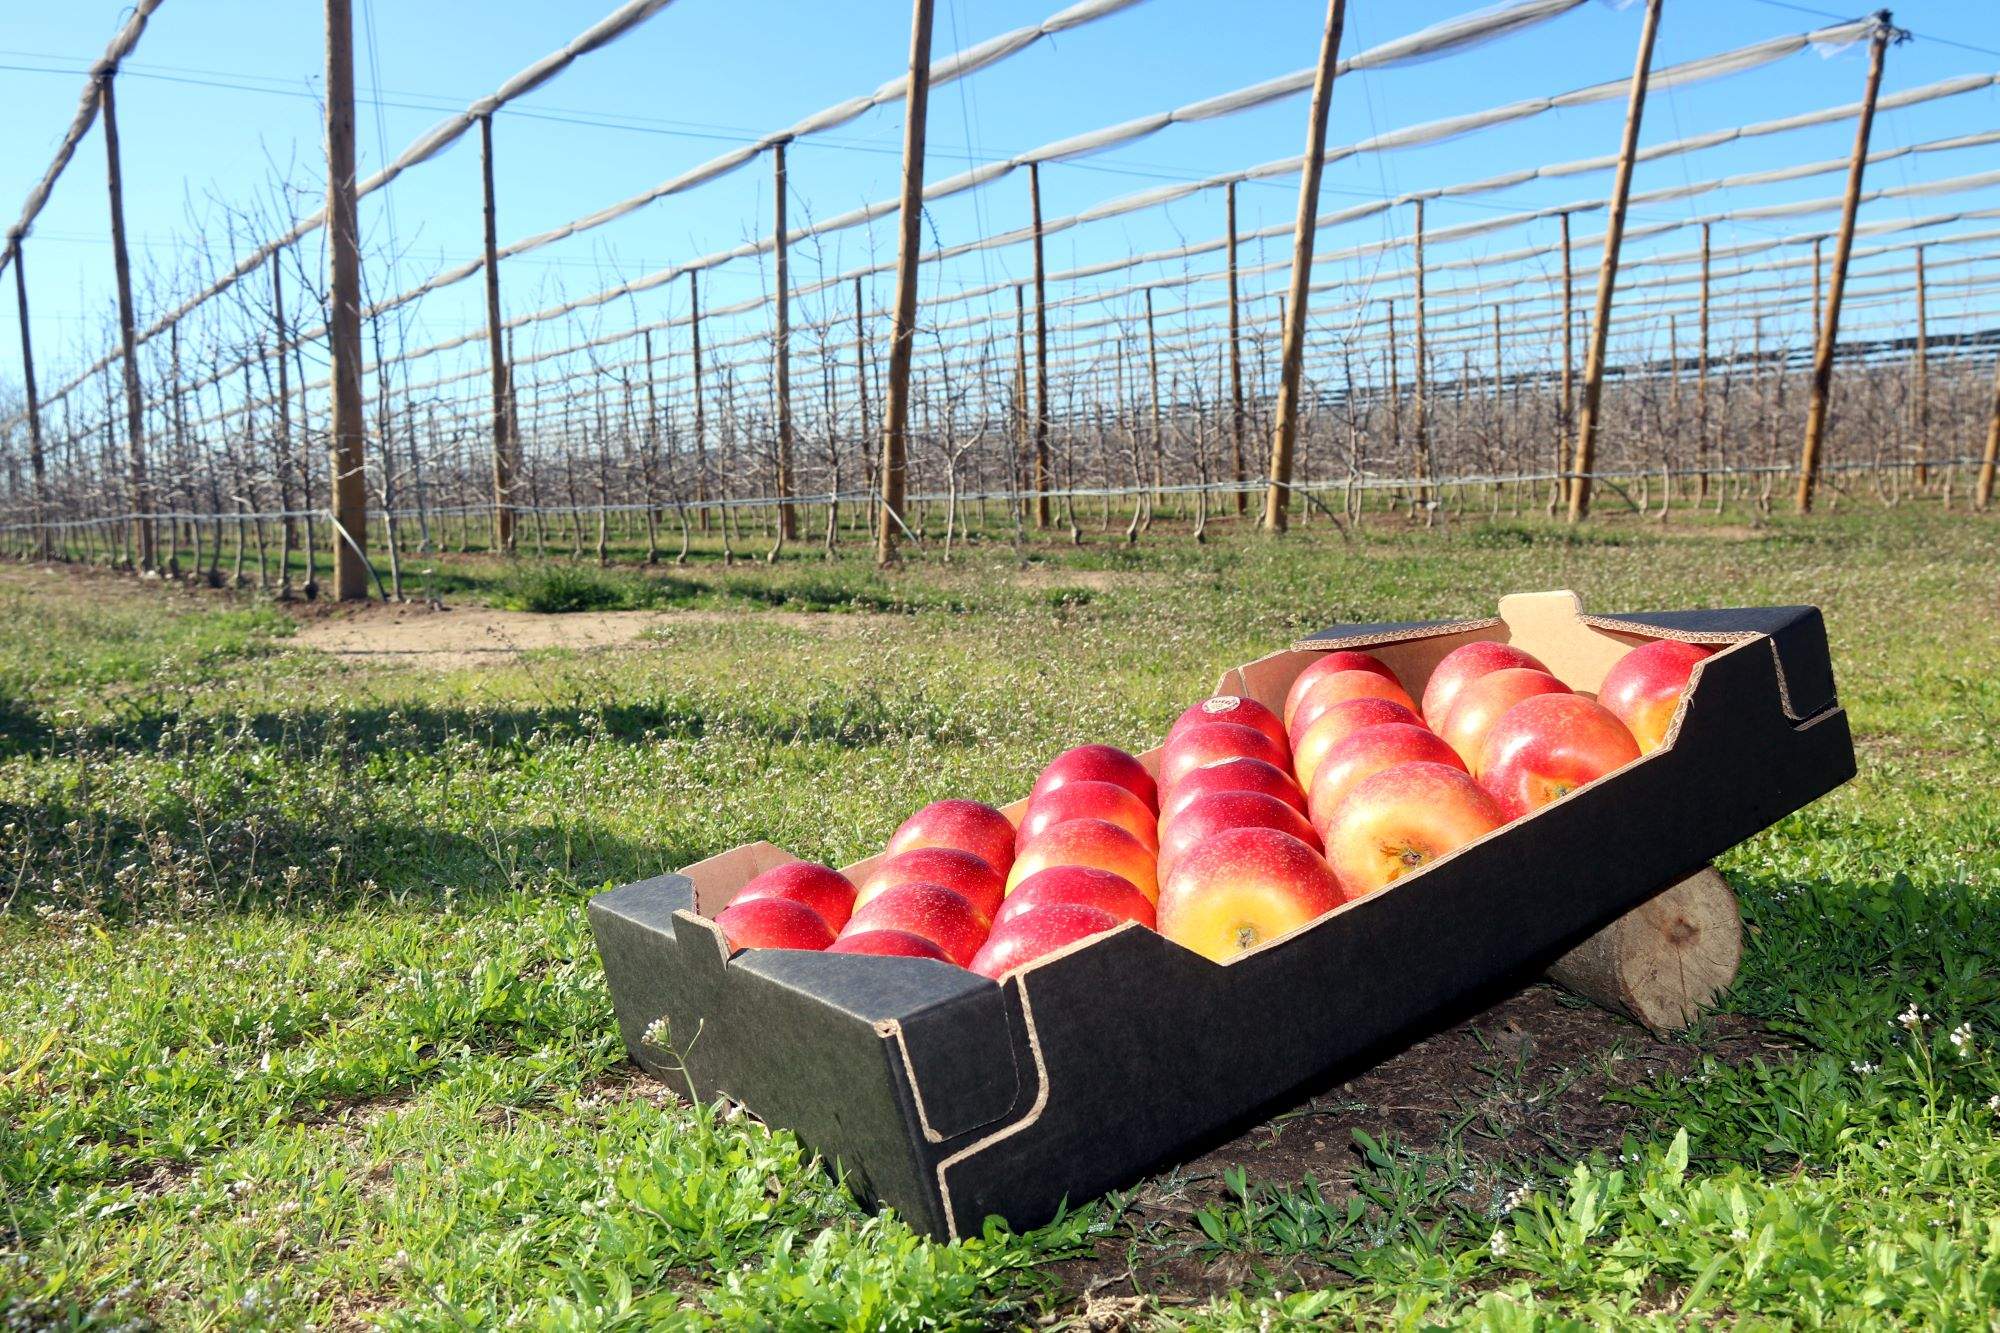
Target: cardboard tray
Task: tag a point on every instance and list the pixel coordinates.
(953, 1098)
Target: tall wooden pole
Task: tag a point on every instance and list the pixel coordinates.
(1291, 360)
(135, 426)
(1235, 361)
(1829, 330)
(1701, 381)
(1982, 495)
(1041, 353)
(503, 460)
(1607, 273)
(1420, 441)
(782, 338)
(36, 462)
(1922, 388)
(861, 382)
(282, 340)
(903, 343)
(347, 431)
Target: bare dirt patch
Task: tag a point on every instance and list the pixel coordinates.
(482, 636)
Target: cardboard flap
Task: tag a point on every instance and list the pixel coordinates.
(650, 903)
(1388, 631)
(1797, 634)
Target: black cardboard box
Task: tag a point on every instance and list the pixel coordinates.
(953, 1098)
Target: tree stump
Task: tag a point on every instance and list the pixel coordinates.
(1664, 962)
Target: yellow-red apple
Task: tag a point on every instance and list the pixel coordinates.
(1077, 884)
(1221, 811)
(1241, 888)
(937, 914)
(963, 873)
(1089, 800)
(1089, 842)
(968, 826)
(1232, 775)
(819, 887)
(1230, 708)
(1482, 702)
(1548, 746)
(1331, 691)
(1099, 763)
(1198, 747)
(1362, 754)
(1335, 725)
(1403, 818)
(773, 923)
(1644, 688)
(1463, 665)
(888, 944)
(1038, 933)
(1326, 665)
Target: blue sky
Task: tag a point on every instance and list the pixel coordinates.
(222, 90)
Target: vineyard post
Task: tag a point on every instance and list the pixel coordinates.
(347, 430)
(503, 465)
(121, 260)
(1829, 330)
(904, 337)
(1983, 495)
(1607, 273)
(1420, 440)
(284, 423)
(700, 407)
(1235, 361)
(1566, 417)
(1701, 382)
(1021, 467)
(1291, 360)
(861, 388)
(1041, 353)
(37, 464)
(1922, 386)
(782, 351)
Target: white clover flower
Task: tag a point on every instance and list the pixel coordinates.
(1497, 1244)
(1993, 1103)
(1910, 1019)
(1863, 1067)
(1961, 1038)
(1739, 1235)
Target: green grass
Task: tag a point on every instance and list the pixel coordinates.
(301, 1023)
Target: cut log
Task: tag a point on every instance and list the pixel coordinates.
(1666, 961)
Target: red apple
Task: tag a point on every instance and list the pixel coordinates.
(1090, 800)
(1099, 763)
(1463, 665)
(888, 944)
(1482, 702)
(1089, 842)
(1241, 888)
(1335, 725)
(1230, 708)
(937, 914)
(1077, 884)
(966, 825)
(1037, 934)
(1212, 743)
(1404, 818)
(1232, 775)
(1221, 811)
(1546, 747)
(1326, 665)
(819, 887)
(1364, 753)
(1342, 686)
(1644, 688)
(773, 923)
(963, 873)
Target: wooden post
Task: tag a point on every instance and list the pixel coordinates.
(1291, 360)
(135, 426)
(1922, 387)
(903, 343)
(1701, 382)
(1041, 353)
(782, 351)
(1607, 273)
(347, 431)
(1235, 362)
(284, 423)
(1982, 495)
(1420, 441)
(861, 388)
(37, 463)
(503, 462)
(1829, 330)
